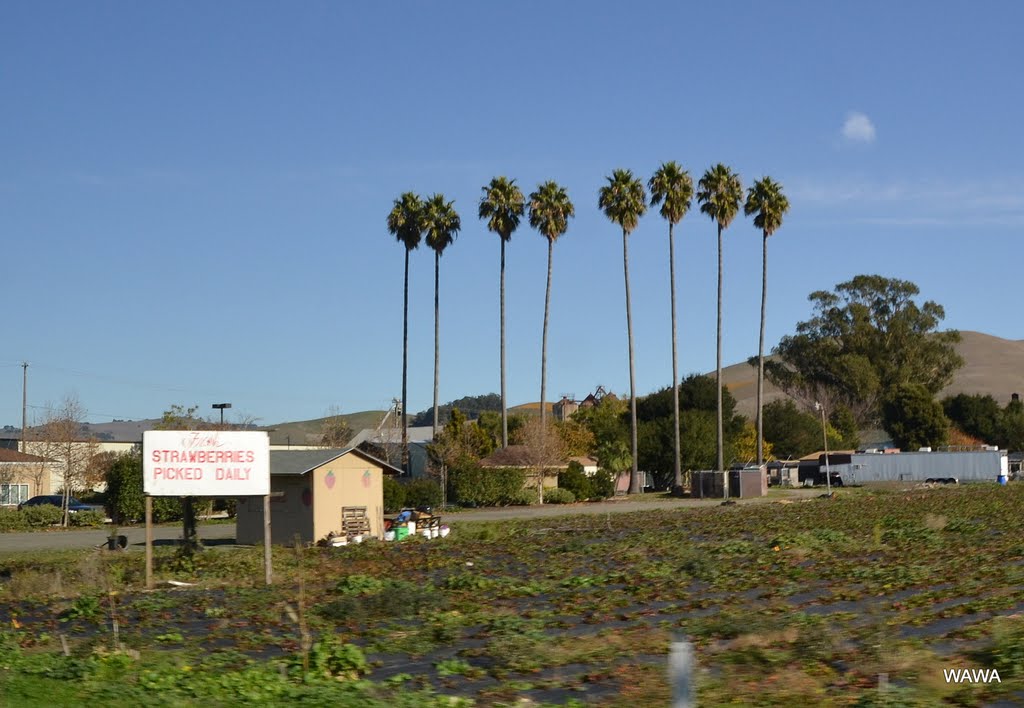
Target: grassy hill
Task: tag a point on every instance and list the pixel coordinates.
(306, 432)
(993, 366)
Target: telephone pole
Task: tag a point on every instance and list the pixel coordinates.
(24, 402)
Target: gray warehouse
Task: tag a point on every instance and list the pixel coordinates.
(974, 465)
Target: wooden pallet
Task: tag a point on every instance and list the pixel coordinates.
(354, 521)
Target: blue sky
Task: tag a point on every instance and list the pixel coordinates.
(193, 195)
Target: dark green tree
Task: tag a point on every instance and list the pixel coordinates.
(769, 205)
(1011, 429)
(441, 225)
(864, 340)
(623, 201)
(720, 193)
(845, 425)
(502, 206)
(609, 423)
(550, 211)
(405, 224)
(698, 404)
(794, 433)
(913, 417)
(977, 415)
(672, 187)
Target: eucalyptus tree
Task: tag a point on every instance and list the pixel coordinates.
(550, 210)
(720, 194)
(441, 224)
(624, 201)
(405, 224)
(768, 204)
(503, 206)
(672, 187)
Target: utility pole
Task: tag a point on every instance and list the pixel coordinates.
(24, 402)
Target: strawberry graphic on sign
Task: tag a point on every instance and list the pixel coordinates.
(367, 479)
(329, 480)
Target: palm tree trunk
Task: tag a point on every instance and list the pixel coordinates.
(437, 332)
(718, 372)
(544, 346)
(675, 362)
(634, 478)
(760, 353)
(504, 401)
(405, 370)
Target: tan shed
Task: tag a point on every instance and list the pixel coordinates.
(312, 491)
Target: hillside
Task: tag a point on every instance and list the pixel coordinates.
(992, 366)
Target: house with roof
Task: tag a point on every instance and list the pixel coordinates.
(23, 476)
(314, 493)
(526, 458)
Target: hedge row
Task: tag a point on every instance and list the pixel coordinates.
(34, 517)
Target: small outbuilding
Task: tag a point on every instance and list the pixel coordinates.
(312, 491)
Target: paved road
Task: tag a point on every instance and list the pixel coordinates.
(218, 534)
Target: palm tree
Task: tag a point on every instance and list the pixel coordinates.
(502, 205)
(441, 223)
(767, 202)
(624, 202)
(720, 193)
(550, 211)
(404, 224)
(672, 187)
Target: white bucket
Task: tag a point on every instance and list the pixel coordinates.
(412, 528)
(425, 533)
(389, 535)
(357, 538)
(444, 531)
(435, 532)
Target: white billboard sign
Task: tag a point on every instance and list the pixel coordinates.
(205, 463)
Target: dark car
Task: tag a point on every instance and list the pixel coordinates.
(74, 506)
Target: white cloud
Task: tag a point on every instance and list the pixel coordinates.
(858, 128)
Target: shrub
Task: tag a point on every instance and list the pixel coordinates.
(88, 518)
(42, 515)
(124, 488)
(558, 496)
(602, 485)
(422, 492)
(11, 519)
(394, 494)
(525, 497)
(575, 480)
(475, 486)
(167, 509)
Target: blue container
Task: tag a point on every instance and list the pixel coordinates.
(1001, 479)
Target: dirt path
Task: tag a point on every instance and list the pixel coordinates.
(224, 534)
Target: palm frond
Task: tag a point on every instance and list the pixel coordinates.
(623, 199)
(550, 210)
(672, 187)
(720, 193)
(441, 223)
(768, 204)
(503, 206)
(405, 220)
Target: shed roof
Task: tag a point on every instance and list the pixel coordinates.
(299, 462)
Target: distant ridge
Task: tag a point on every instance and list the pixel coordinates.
(993, 366)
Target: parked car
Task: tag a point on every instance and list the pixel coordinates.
(74, 506)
